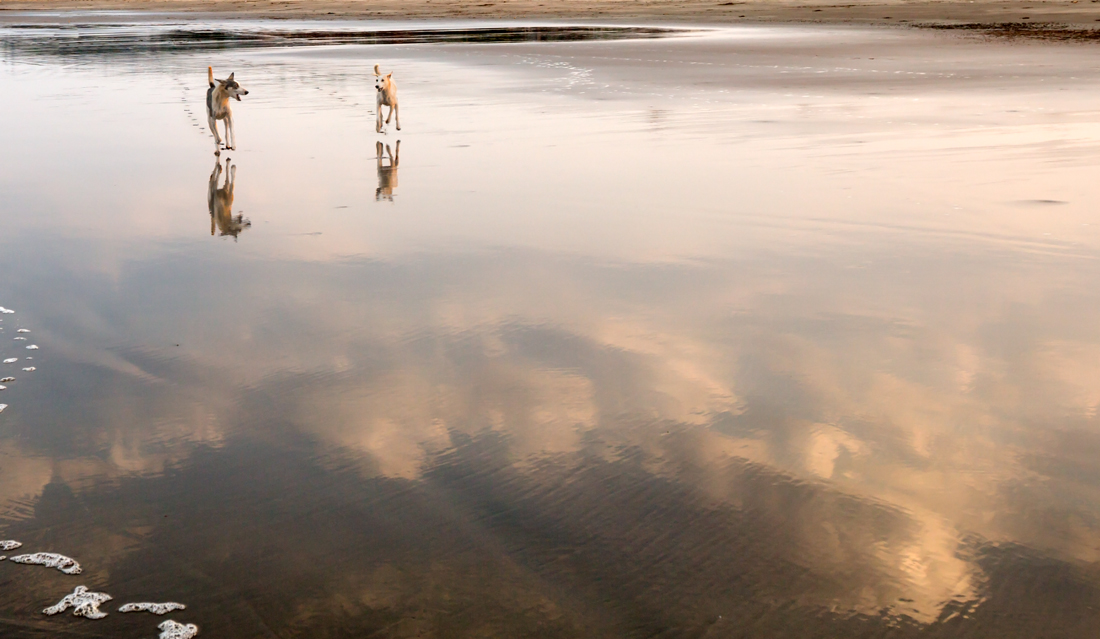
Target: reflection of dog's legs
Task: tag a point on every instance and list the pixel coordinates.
(396, 117)
(230, 179)
(212, 192)
(378, 152)
(395, 159)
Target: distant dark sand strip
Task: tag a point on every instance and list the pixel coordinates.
(1041, 19)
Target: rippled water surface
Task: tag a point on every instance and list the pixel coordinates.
(757, 332)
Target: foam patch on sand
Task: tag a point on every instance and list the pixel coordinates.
(7, 379)
(2, 407)
(32, 347)
(29, 369)
(11, 359)
(5, 310)
(10, 544)
(65, 564)
(175, 630)
(83, 603)
(155, 608)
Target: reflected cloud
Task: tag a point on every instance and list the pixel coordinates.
(219, 199)
(387, 173)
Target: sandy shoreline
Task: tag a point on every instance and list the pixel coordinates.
(1077, 13)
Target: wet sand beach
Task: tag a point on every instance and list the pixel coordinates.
(693, 330)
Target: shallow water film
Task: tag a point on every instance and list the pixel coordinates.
(748, 332)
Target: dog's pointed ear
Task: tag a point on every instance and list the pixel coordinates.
(230, 78)
(390, 74)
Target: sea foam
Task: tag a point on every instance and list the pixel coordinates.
(175, 630)
(65, 564)
(83, 603)
(155, 608)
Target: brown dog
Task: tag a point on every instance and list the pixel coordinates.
(217, 108)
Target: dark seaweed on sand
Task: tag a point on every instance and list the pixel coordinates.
(1029, 30)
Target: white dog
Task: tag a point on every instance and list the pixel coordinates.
(217, 108)
(387, 96)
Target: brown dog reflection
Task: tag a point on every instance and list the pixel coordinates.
(220, 202)
(387, 174)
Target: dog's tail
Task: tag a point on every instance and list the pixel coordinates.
(210, 76)
(376, 71)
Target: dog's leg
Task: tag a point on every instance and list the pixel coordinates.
(378, 110)
(389, 115)
(230, 134)
(396, 116)
(214, 129)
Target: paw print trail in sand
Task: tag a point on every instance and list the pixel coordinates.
(155, 608)
(83, 603)
(65, 564)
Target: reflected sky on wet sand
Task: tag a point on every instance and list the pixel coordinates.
(757, 332)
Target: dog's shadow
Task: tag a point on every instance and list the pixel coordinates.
(219, 201)
(387, 173)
